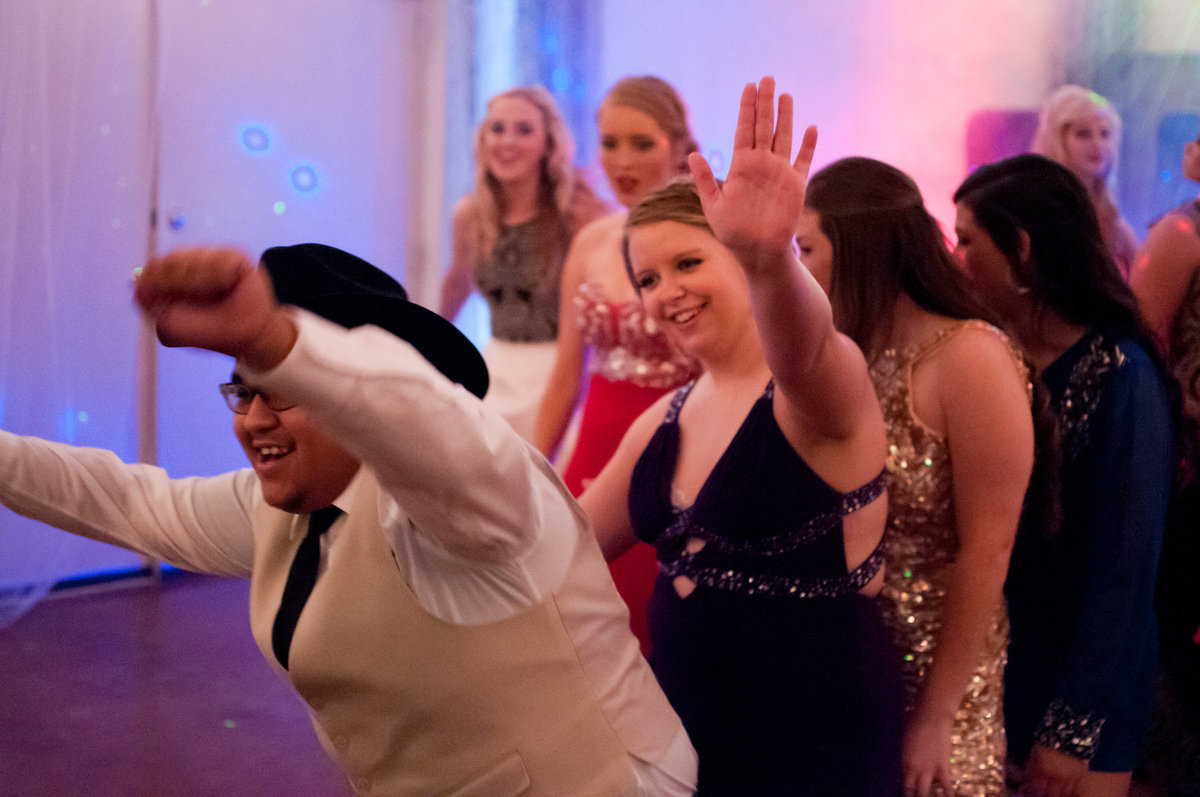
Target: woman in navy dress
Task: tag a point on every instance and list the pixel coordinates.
(1083, 651)
(760, 485)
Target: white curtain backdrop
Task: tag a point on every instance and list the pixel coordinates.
(75, 92)
(355, 94)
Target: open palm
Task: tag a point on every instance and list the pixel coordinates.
(756, 210)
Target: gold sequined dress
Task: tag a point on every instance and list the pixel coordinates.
(920, 546)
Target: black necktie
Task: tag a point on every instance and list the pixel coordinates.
(300, 581)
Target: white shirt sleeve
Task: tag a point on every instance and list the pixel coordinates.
(201, 524)
(480, 525)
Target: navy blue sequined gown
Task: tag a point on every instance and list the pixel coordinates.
(1083, 652)
(784, 676)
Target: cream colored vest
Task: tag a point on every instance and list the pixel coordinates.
(409, 704)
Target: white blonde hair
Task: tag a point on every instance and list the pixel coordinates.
(1068, 106)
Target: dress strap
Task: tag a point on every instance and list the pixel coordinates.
(677, 402)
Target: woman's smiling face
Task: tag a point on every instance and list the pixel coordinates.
(689, 283)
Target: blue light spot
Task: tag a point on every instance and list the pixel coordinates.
(255, 139)
(560, 79)
(1166, 175)
(304, 178)
(279, 208)
(83, 416)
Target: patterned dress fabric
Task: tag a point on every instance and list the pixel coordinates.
(920, 549)
(520, 282)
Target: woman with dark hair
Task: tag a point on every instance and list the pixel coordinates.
(954, 393)
(1081, 586)
(759, 484)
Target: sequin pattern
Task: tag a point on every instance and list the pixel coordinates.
(1084, 388)
(627, 345)
(920, 547)
(673, 540)
(1069, 731)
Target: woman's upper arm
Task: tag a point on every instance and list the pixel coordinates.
(457, 284)
(606, 500)
(1164, 270)
(562, 389)
(989, 429)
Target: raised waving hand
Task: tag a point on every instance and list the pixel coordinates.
(754, 213)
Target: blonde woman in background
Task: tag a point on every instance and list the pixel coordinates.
(510, 239)
(1081, 130)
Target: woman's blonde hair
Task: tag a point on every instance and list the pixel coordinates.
(1070, 105)
(657, 99)
(1065, 107)
(561, 189)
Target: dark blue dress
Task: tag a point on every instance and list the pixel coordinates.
(1083, 652)
(784, 676)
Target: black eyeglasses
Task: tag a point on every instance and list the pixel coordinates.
(239, 397)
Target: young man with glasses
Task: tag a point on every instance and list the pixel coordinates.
(417, 571)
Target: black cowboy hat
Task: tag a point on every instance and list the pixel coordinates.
(349, 291)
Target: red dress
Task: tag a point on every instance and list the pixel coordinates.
(632, 365)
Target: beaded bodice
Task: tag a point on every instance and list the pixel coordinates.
(520, 280)
(920, 549)
(627, 346)
(769, 524)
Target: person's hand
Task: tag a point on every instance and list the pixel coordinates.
(1050, 773)
(755, 212)
(214, 299)
(927, 757)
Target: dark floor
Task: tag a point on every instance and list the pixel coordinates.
(150, 688)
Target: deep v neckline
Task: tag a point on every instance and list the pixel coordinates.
(677, 409)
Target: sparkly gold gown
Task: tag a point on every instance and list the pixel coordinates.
(920, 546)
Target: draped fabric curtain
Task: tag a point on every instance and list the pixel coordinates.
(75, 186)
(82, 84)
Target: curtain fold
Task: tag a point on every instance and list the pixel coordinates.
(75, 97)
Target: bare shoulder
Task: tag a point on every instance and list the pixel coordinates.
(463, 215)
(1174, 232)
(980, 344)
(596, 252)
(980, 358)
(604, 230)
